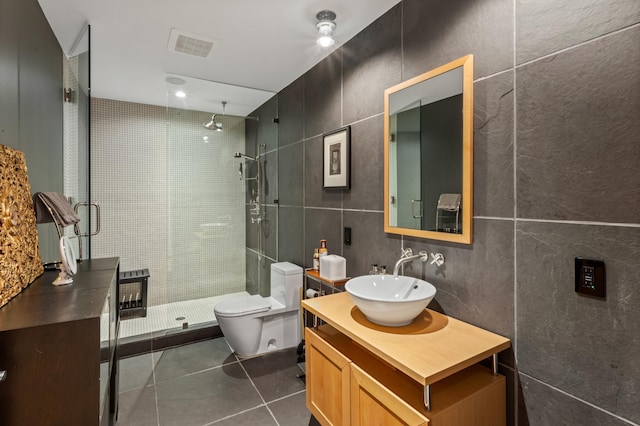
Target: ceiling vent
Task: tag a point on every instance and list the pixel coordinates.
(191, 44)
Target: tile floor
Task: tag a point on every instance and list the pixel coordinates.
(204, 383)
(170, 316)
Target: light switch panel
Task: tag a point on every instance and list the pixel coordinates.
(590, 277)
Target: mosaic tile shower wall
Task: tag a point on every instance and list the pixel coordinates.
(170, 201)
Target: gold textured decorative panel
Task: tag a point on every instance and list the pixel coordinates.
(20, 261)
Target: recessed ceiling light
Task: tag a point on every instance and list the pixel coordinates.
(175, 80)
(181, 94)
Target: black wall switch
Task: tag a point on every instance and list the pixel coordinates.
(590, 278)
(347, 235)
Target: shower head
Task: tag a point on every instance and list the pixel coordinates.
(241, 155)
(213, 124)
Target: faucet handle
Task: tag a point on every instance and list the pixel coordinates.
(438, 259)
(406, 252)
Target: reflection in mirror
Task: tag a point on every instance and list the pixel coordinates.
(428, 154)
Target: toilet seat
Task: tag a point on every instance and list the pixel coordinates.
(240, 306)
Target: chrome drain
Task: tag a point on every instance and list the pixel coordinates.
(180, 318)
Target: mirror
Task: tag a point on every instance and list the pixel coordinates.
(428, 154)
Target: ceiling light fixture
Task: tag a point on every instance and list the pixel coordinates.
(325, 26)
(180, 94)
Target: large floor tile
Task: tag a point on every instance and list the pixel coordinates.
(205, 397)
(176, 362)
(275, 374)
(136, 372)
(291, 411)
(138, 407)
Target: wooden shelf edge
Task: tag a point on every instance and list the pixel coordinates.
(312, 273)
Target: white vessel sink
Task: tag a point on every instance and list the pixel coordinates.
(390, 301)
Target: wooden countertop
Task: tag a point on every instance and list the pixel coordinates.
(432, 347)
(42, 303)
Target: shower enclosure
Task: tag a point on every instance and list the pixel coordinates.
(173, 202)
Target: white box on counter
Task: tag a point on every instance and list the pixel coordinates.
(333, 267)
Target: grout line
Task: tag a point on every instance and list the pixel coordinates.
(629, 422)
(155, 385)
(505, 219)
(515, 219)
(230, 416)
(577, 45)
(365, 119)
(563, 222)
(259, 394)
(495, 74)
(288, 396)
(581, 222)
(402, 41)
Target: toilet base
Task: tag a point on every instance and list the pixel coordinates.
(279, 331)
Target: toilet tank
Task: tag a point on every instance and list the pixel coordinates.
(286, 281)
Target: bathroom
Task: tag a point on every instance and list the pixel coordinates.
(556, 155)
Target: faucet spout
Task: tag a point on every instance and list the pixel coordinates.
(408, 256)
(402, 261)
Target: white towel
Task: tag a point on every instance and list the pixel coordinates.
(450, 202)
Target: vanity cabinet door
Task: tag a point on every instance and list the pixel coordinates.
(327, 376)
(373, 404)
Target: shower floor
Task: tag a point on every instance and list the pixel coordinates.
(174, 315)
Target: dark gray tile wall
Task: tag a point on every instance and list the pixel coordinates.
(436, 32)
(543, 405)
(575, 159)
(556, 126)
(314, 195)
(493, 146)
(323, 96)
(567, 23)
(261, 140)
(371, 63)
(291, 113)
(31, 78)
(579, 344)
(367, 154)
(290, 173)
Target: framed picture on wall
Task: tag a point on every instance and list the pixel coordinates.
(336, 159)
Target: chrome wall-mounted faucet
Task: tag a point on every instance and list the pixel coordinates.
(408, 256)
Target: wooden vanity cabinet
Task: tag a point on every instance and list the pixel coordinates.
(346, 385)
(328, 394)
(359, 374)
(372, 403)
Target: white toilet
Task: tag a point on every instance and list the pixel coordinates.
(254, 324)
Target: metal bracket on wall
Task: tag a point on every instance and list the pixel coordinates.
(67, 95)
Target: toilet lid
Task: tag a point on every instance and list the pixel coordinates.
(243, 305)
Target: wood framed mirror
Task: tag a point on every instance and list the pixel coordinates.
(428, 154)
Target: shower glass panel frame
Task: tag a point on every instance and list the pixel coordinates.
(77, 135)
